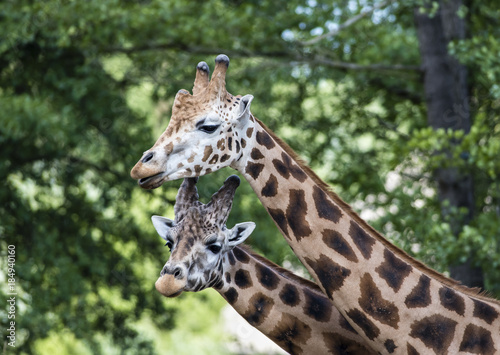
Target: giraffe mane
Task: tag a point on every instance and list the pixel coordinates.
(473, 292)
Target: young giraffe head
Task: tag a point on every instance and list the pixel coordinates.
(198, 238)
(207, 131)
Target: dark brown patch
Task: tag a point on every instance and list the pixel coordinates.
(339, 345)
(232, 261)
(254, 170)
(290, 333)
(296, 214)
(330, 274)
(363, 241)
(371, 302)
(285, 167)
(317, 307)
(224, 158)
(289, 294)
(436, 332)
(325, 207)
(271, 187)
(243, 279)
(267, 277)
(256, 154)
(198, 168)
(249, 132)
(484, 311)
(230, 143)
(221, 144)
(169, 148)
(420, 296)
(264, 139)
(346, 325)
(410, 350)
(451, 300)
(279, 217)
(214, 159)
(334, 240)
(228, 277)
(237, 143)
(258, 309)
(390, 346)
(393, 270)
(241, 255)
(231, 295)
(361, 320)
(243, 143)
(206, 154)
(477, 340)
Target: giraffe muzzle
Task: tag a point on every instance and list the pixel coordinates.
(170, 286)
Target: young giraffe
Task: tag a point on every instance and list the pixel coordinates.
(395, 302)
(291, 311)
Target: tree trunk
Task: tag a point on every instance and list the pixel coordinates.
(445, 85)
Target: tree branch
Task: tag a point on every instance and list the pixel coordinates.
(346, 24)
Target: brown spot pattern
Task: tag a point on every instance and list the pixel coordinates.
(393, 270)
(214, 159)
(289, 294)
(451, 300)
(270, 189)
(258, 309)
(231, 295)
(285, 167)
(339, 345)
(296, 214)
(290, 332)
(254, 169)
(390, 346)
(361, 320)
(267, 277)
(279, 217)
(477, 340)
(221, 144)
(206, 154)
(330, 274)
(334, 240)
(435, 331)
(263, 138)
(420, 296)
(484, 311)
(325, 207)
(255, 154)
(249, 132)
(372, 303)
(317, 307)
(363, 241)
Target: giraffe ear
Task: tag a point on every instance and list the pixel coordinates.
(244, 109)
(239, 233)
(162, 225)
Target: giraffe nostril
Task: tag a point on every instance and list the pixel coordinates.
(178, 273)
(148, 157)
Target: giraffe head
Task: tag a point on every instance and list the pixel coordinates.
(206, 132)
(198, 238)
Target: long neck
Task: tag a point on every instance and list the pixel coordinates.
(291, 311)
(391, 299)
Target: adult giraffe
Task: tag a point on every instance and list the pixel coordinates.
(397, 303)
(289, 310)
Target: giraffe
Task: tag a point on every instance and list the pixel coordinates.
(291, 311)
(395, 302)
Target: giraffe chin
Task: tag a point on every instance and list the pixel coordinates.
(152, 182)
(168, 286)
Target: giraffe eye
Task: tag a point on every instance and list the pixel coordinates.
(214, 248)
(169, 245)
(209, 128)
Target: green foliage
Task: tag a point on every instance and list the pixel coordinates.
(87, 86)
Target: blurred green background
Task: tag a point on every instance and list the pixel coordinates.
(87, 86)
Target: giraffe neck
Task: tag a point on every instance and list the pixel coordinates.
(395, 302)
(291, 311)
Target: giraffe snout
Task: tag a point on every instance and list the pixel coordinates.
(172, 281)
